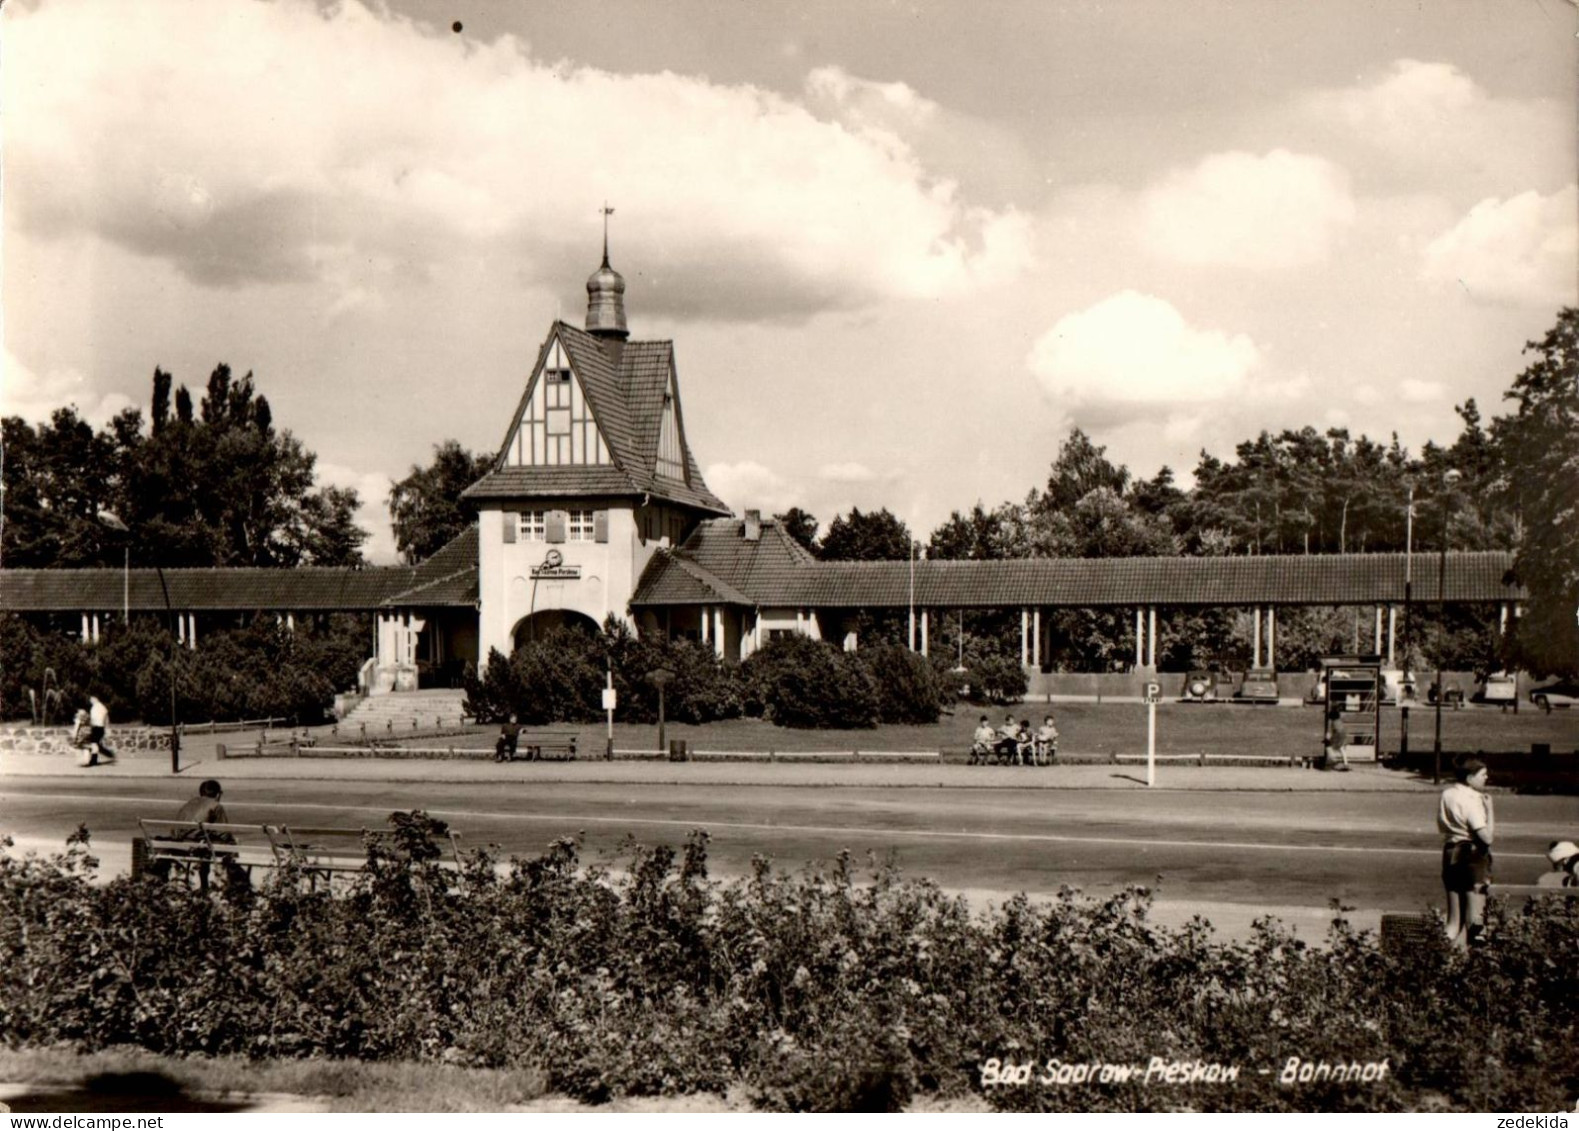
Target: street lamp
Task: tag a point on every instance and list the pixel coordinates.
(113, 521)
(1450, 477)
(1406, 685)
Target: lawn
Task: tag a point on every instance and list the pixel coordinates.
(1101, 729)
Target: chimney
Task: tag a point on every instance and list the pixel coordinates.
(753, 526)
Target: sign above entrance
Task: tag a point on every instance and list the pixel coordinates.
(554, 568)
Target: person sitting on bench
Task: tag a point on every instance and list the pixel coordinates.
(1024, 745)
(1047, 742)
(1008, 746)
(982, 742)
(509, 737)
(206, 809)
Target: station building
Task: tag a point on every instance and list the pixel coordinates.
(595, 506)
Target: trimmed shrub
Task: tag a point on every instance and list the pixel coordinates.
(488, 696)
(908, 687)
(806, 683)
(558, 677)
(704, 688)
(996, 679)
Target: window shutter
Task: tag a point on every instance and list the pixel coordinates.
(600, 526)
(511, 521)
(556, 525)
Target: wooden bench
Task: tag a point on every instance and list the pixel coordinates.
(534, 745)
(323, 853)
(1402, 931)
(194, 847)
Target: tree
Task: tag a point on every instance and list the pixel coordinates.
(873, 537)
(983, 535)
(221, 488)
(800, 526)
(1539, 451)
(226, 488)
(57, 478)
(1080, 468)
(425, 507)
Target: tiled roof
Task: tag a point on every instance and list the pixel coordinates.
(449, 577)
(300, 590)
(677, 581)
(768, 572)
(625, 384)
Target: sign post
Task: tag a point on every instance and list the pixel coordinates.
(659, 678)
(608, 705)
(1153, 690)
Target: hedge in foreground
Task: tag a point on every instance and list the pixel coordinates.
(814, 991)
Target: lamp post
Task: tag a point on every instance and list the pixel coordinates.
(912, 595)
(113, 521)
(660, 678)
(1406, 686)
(1450, 477)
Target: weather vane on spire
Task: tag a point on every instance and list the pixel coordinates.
(607, 212)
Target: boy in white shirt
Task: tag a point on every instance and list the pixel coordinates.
(982, 742)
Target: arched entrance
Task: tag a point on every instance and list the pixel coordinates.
(544, 621)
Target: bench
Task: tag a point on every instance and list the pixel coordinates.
(534, 745)
(1402, 931)
(323, 853)
(194, 847)
(320, 853)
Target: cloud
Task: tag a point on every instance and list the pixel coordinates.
(36, 396)
(372, 512)
(986, 157)
(1428, 120)
(1132, 350)
(851, 472)
(1415, 391)
(269, 153)
(1240, 210)
(748, 485)
(1520, 251)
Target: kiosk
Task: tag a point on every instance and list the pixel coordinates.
(1354, 696)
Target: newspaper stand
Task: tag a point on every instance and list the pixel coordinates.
(1354, 693)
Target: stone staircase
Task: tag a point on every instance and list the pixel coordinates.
(404, 712)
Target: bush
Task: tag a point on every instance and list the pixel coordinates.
(559, 677)
(996, 679)
(800, 682)
(908, 687)
(703, 690)
(261, 671)
(814, 991)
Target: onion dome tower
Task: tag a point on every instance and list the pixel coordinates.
(606, 296)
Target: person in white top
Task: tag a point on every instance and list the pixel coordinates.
(1564, 858)
(1464, 817)
(98, 725)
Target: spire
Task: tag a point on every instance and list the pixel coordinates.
(606, 294)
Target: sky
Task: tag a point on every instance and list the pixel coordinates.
(901, 248)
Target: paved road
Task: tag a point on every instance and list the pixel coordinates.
(1370, 850)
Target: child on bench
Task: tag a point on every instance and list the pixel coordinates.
(982, 742)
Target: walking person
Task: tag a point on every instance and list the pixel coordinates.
(98, 726)
(1465, 818)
